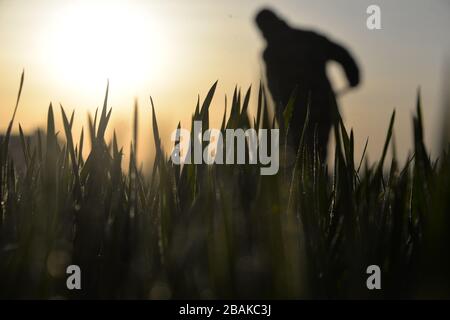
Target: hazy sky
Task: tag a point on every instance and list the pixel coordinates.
(174, 50)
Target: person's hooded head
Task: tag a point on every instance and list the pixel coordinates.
(270, 24)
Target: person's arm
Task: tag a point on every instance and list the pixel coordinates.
(339, 54)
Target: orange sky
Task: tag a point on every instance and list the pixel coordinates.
(175, 51)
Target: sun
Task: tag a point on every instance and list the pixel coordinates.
(88, 42)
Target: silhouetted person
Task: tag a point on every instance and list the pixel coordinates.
(298, 58)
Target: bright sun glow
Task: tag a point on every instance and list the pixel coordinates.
(88, 42)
